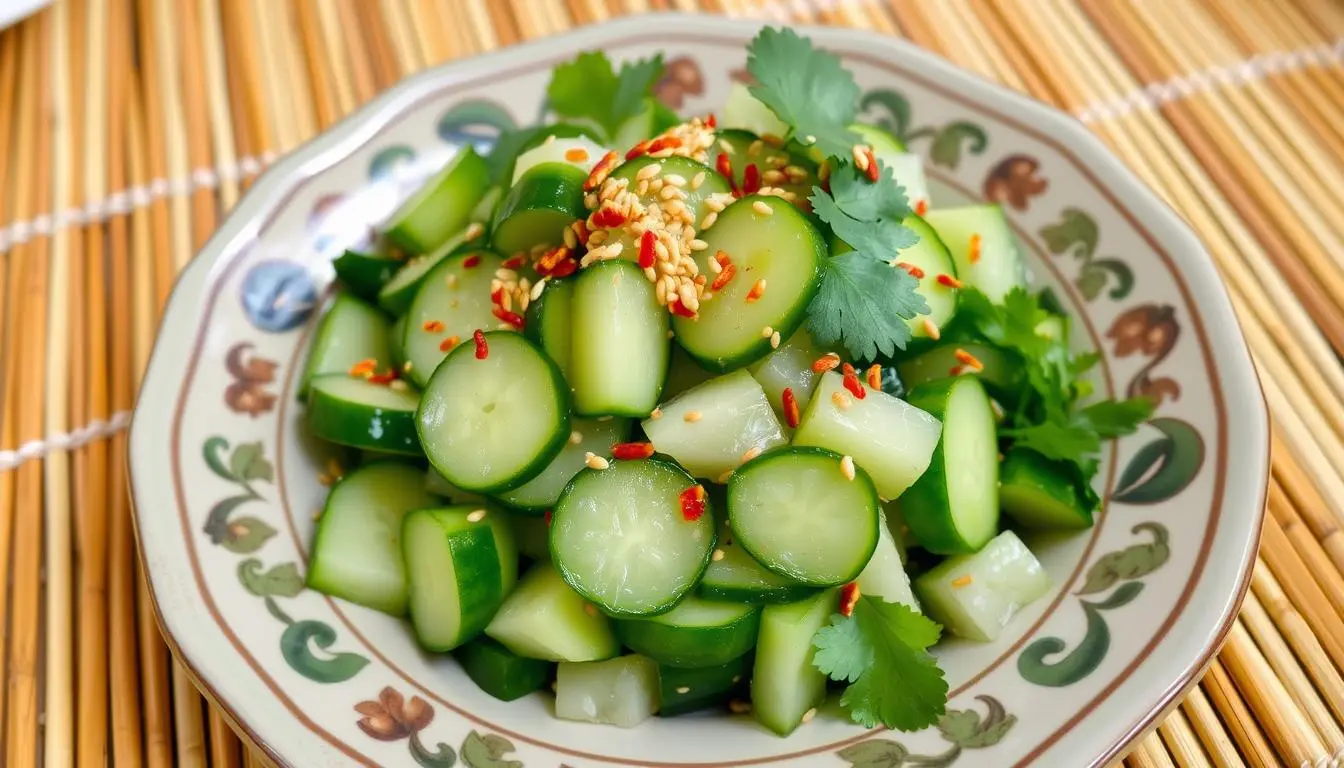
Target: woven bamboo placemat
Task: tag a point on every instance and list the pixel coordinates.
(131, 126)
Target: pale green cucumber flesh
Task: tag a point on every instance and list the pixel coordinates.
(351, 331)
(542, 618)
(453, 301)
(350, 411)
(619, 351)
(975, 596)
(784, 682)
(711, 428)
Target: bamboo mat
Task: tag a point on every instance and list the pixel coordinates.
(131, 126)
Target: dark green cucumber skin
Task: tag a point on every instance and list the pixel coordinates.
(860, 476)
(550, 186)
(549, 451)
(791, 593)
(543, 325)
(690, 646)
(1028, 481)
(329, 419)
(1003, 376)
(469, 162)
(365, 273)
(760, 346)
(478, 598)
(923, 502)
(499, 671)
(709, 686)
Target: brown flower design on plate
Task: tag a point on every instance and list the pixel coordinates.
(247, 394)
(1149, 330)
(1015, 180)
(681, 78)
(392, 718)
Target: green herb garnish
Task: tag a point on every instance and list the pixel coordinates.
(589, 88)
(882, 652)
(806, 88)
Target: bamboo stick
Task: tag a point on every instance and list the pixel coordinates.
(1204, 722)
(1317, 707)
(1149, 753)
(1181, 742)
(217, 88)
(1308, 502)
(1241, 724)
(1288, 729)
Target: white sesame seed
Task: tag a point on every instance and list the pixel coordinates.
(656, 413)
(709, 220)
(590, 200)
(725, 146)
(660, 292)
(697, 180)
(597, 238)
(773, 177)
(450, 280)
(476, 517)
(691, 417)
(474, 230)
(683, 690)
(397, 385)
(649, 171)
(750, 454)
(809, 714)
(614, 250)
(767, 332)
(594, 461)
(809, 139)
(550, 139)
(676, 179)
(755, 148)
(718, 555)
(840, 399)
(537, 289)
(660, 250)
(698, 245)
(571, 239)
(686, 292)
(575, 437)
(847, 467)
(651, 274)
(860, 156)
(774, 340)
(737, 679)
(761, 207)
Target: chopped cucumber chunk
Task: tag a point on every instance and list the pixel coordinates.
(712, 428)
(697, 633)
(619, 354)
(544, 619)
(789, 367)
(501, 672)
(784, 683)
(460, 564)
(884, 576)
(1039, 494)
(983, 246)
(543, 491)
(442, 206)
(622, 692)
(975, 596)
(688, 689)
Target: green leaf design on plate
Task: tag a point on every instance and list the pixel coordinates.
(1132, 562)
(246, 534)
(217, 521)
(443, 755)
(1086, 656)
(211, 451)
(1164, 467)
(247, 463)
(487, 751)
(877, 753)
(897, 120)
(947, 145)
(294, 646)
(386, 161)
(283, 580)
(964, 727)
(1076, 233)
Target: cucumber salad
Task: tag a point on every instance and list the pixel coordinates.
(670, 413)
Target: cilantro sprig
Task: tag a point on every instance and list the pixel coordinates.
(881, 650)
(589, 88)
(1051, 418)
(864, 301)
(806, 88)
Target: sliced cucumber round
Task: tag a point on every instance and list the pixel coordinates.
(460, 563)
(907, 168)
(748, 114)
(797, 513)
(993, 264)
(453, 300)
(549, 322)
(545, 200)
(737, 577)
(745, 148)
(711, 183)
(357, 550)
(492, 424)
(953, 508)
(543, 491)
(697, 633)
(619, 356)
(349, 411)
(442, 206)
(780, 247)
(619, 538)
(364, 273)
(351, 331)
(396, 295)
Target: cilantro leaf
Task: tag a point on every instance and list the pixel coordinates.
(864, 302)
(589, 88)
(805, 87)
(868, 200)
(1113, 418)
(882, 652)
(1057, 441)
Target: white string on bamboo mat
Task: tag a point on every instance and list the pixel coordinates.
(65, 441)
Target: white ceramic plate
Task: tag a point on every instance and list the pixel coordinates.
(226, 485)
(14, 11)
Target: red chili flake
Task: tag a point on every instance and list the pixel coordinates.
(515, 261)
(751, 180)
(711, 121)
(948, 281)
(827, 362)
(580, 231)
(692, 503)
(921, 207)
(664, 142)
(482, 349)
(725, 168)
(512, 318)
(383, 378)
(638, 149)
(547, 518)
(723, 258)
(471, 261)
(678, 308)
(955, 370)
(497, 296)
(601, 171)
(550, 259)
(791, 415)
(576, 155)
(722, 278)
(631, 451)
(448, 343)
(848, 370)
(646, 250)
(973, 252)
(565, 268)
(757, 291)
(914, 271)
(967, 358)
(363, 368)
(607, 217)
(872, 169)
(849, 597)
(875, 376)
(433, 326)
(854, 386)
